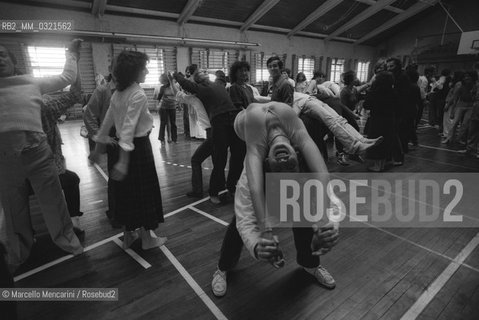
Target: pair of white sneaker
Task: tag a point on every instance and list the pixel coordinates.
(324, 278)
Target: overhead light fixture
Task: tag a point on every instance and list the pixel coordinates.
(154, 37)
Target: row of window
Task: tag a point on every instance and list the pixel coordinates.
(307, 66)
(47, 61)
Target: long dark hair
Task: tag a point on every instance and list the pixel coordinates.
(127, 68)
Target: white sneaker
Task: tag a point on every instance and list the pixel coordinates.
(215, 199)
(218, 284)
(323, 276)
(76, 224)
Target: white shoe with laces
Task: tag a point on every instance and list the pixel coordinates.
(323, 276)
(218, 284)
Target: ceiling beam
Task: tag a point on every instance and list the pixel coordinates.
(388, 8)
(152, 13)
(412, 11)
(315, 15)
(70, 3)
(258, 13)
(98, 8)
(226, 23)
(188, 11)
(375, 8)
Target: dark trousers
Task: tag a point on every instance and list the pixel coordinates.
(112, 159)
(71, 189)
(233, 244)
(420, 111)
(473, 138)
(186, 120)
(8, 310)
(167, 117)
(316, 130)
(224, 137)
(397, 146)
(201, 154)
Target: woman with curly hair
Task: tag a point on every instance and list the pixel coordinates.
(137, 190)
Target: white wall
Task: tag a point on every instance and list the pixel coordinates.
(270, 43)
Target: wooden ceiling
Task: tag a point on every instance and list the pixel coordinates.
(353, 21)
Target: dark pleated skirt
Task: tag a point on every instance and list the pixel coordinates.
(138, 198)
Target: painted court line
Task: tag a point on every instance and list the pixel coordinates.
(99, 243)
(103, 174)
(62, 259)
(95, 202)
(208, 216)
(441, 162)
(437, 148)
(433, 289)
(193, 284)
(420, 246)
(133, 254)
(41, 268)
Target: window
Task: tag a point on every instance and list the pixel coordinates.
(46, 61)
(363, 68)
(337, 68)
(160, 61)
(306, 66)
(155, 69)
(212, 61)
(260, 69)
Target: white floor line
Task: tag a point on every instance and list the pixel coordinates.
(64, 258)
(133, 254)
(95, 202)
(189, 205)
(41, 268)
(433, 289)
(420, 246)
(441, 162)
(209, 216)
(103, 174)
(193, 284)
(101, 242)
(437, 148)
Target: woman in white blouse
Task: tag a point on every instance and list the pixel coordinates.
(137, 189)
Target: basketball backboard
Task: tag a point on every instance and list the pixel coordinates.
(469, 43)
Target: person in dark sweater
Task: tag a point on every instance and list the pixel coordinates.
(381, 100)
(401, 87)
(222, 113)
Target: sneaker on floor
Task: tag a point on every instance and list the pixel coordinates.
(323, 277)
(218, 284)
(342, 159)
(397, 163)
(76, 225)
(215, 199)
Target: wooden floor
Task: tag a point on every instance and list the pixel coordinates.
(380, 273)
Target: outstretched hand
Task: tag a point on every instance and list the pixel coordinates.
(74, 47)
(324, 239)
